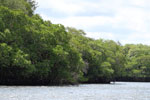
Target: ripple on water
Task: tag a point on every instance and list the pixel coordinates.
(117, 91)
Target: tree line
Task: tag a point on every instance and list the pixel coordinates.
(37, 52)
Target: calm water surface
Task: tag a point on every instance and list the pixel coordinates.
(117, 91)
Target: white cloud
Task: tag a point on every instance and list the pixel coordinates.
(138, 38)
(61, 5)
(98, 35)
(140, 3)
(131, 18)
(132, 15)
(83, 22)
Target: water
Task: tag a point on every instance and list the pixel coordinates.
(117, 91)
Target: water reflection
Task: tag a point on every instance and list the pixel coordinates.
(117, 91)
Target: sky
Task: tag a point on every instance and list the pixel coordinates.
(126, 21)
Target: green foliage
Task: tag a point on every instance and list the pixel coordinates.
(27, 6)
(138, 60)
(40, 49)
(5, 52)
(14, 63)
(34, 51)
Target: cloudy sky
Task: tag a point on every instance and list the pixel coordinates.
(127, 21)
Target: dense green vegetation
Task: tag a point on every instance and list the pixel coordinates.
(34, 51)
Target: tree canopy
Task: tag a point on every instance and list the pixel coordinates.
(34, 51)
